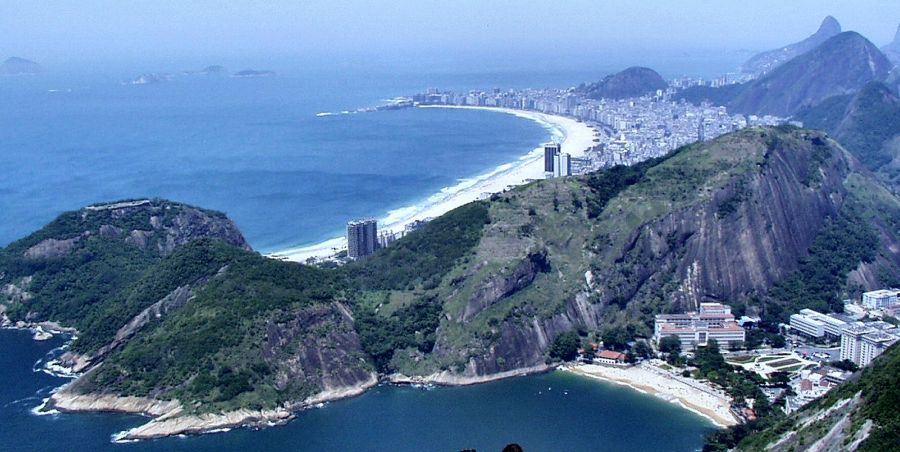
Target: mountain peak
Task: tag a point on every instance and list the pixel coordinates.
(830, 26)
(764, 62)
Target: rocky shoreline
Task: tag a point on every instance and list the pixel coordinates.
(168, 418)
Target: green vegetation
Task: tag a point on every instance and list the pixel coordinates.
(565, 346)
(209, 353)
(413, 325)
(842, 243)
(606, 184)
(425, 255)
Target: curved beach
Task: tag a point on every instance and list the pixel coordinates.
(576, 138)
(647, 378)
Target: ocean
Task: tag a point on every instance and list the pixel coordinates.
(256, 149)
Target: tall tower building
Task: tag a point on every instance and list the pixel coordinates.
(362, 238)
(562, 165)
(551, 150)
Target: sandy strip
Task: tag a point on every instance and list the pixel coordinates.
(576, 138)
(649, 379)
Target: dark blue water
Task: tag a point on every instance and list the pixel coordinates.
(552, 412)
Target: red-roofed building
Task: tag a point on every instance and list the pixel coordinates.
(611, 357)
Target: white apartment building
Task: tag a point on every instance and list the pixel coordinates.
(874, 344)
(851, 341)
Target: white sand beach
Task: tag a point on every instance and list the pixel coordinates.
(576, 138)
(650, 379)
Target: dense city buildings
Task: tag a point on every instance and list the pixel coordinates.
(629, 130)
(714, 321)
(362, 238)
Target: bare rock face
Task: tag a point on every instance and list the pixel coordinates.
(51, 248)
(318, 347)
(502, 285)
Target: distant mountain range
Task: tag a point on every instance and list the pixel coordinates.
(20, 66)
(632, 82)
(841, 65)
(892, 50)
(766, 61)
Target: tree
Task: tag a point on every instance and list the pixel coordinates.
(670, 345)
(565, 346)
(615, 338)
(642, 349)
(846, 365)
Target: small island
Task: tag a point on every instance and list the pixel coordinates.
(20, 66)
(247, 73)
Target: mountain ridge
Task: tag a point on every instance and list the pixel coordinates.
(766, 61)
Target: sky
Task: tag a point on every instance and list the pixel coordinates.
(70, 31)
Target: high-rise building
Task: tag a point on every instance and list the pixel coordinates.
(562, 165)
(362, 238)
(550, 152)
(874, 344)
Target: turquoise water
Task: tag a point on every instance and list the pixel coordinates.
(551, 412)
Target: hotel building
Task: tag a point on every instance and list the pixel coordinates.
(714, 321)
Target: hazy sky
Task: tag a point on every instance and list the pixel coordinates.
(110, 30)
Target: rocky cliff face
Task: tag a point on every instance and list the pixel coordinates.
(318, 347)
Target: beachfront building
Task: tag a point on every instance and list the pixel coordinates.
(551, 150)
(362, 238)
(714, 321)
(610, 357)
(879, 299)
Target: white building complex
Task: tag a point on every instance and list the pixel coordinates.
(714, 322)
(816, 324)
(878, 299)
